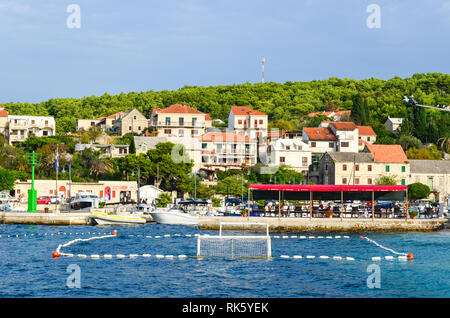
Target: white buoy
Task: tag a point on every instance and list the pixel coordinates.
(120, 256)
(159, 256)
(182, 256)
(324, 257)
(147, 255)
(297, 256)
(107, 256)
(133, 255)
(349, 258)
(96, 256)
(284, 256)
(402, 258)
(337, 257)
(310, 256)
(376, 258)
(389, 257)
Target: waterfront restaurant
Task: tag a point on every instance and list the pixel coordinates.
(336, 195)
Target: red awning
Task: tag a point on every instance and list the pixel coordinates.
(326, 188)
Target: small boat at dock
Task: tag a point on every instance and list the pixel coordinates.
(113, 219)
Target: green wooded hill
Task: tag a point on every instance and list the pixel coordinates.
(289, 101)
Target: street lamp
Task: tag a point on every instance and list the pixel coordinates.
(70, 179)
(195, 184)
(138, 184)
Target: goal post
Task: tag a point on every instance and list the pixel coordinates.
(236, 246)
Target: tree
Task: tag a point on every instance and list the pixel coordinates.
(386, 180)
(409, 141)
(163, 200)
(428, 153)
(418, 191)
(360, 112)
(8, 178)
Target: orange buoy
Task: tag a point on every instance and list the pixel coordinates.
(115, 232)
(55, 254)
(411, 256)
(361, 237)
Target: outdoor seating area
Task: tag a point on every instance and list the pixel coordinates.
(333, 201)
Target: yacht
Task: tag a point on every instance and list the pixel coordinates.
(185, 212)
(112, 219)
(84, 202)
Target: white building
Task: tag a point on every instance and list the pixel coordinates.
(21, 127)
(393, 124)
(227, 150)
(192, 147)
(290, 152)
(149, 193)
(245, 120)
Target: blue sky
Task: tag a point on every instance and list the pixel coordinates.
(138, 45)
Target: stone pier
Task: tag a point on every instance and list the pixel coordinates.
(286, 224)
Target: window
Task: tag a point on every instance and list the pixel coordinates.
(344, 144)
(369, 181)
(344, 167)
(46, 122)
(368, 138)
(403, 182)
(32, 122)
(304, 161)
(403, 169)
(194, 121)
(167, 131)
(45, 133)
(134, 117)
(167, 121)
(288, 147)
(313, 144)
(344, 180)
(181, 132)
(139, 127)
(204, 145)
(282, 159)
(260, 121)
(129, 128)
(181, 121)
(331, 145)
(194, 132)
(356, 180)
(356, 167)
(240, 121)
(369, 168)
(387, 168)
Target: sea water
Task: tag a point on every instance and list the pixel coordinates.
(28, 269)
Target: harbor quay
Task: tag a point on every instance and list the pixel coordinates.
(276, 224)
(287, 224)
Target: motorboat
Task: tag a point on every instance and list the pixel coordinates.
(185, 212)
(114, 219)
(84, 201)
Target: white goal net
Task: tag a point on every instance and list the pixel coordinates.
(237, 245)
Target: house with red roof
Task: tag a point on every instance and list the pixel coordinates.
(179, 120)
(363, 168)
(245, 120)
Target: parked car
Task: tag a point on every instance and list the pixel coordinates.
(5, 197)
(55, 199)
(44, 200)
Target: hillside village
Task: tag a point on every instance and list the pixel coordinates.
(336, 151)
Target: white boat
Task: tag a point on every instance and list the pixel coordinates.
(174, 216)
(108, 219)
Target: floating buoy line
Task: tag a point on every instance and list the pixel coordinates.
(401, 256)
(58, 253)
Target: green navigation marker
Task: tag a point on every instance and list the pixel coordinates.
(33, 159)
